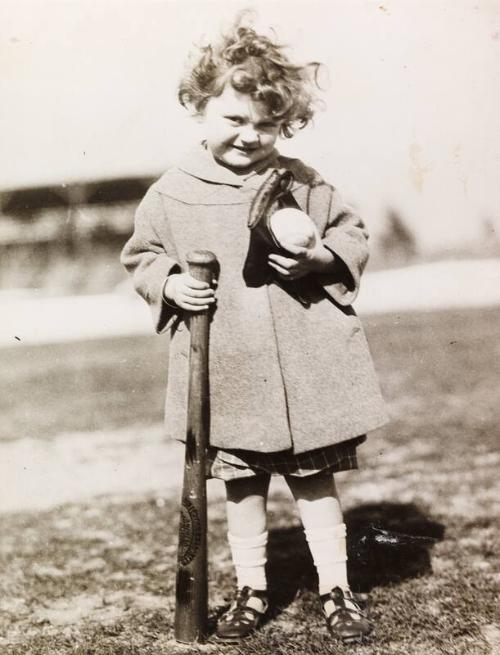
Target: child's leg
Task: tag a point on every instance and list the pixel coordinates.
(325, 531)
(324, 527)
(247, 533)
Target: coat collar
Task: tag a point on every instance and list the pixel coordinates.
(200, 163)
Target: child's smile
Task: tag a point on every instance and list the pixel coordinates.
(238, 130)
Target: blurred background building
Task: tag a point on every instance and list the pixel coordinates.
(89, 117)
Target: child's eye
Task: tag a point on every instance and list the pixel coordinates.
(235, 120)
(268, 125)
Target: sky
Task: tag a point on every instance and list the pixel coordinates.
(88, 91)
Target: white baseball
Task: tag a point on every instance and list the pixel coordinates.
(293, 226)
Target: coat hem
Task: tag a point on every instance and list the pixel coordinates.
(325, 443)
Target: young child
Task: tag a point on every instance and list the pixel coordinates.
(292, 385)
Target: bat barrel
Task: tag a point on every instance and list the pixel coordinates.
(191, 611)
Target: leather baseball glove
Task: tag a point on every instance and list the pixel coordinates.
(273, 193)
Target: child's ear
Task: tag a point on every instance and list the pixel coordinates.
(194, 113)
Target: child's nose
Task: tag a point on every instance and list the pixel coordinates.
(249, 136)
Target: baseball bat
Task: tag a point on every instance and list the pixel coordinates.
(191, 608)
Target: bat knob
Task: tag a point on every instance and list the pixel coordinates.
(201, 258)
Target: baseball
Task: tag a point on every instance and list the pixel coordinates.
(294, 227)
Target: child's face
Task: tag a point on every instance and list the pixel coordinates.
(238, 130)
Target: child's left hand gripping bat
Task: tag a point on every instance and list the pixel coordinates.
(192, 585)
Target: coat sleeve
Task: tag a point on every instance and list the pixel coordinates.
(347, 238)
(151, 259)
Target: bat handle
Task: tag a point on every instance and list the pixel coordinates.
(191, 609)
(201, 264)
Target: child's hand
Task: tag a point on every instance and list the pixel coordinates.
(189, 293)
(317, 259)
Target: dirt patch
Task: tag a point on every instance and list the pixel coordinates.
(39, 474)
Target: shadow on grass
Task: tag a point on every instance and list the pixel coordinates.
(373, 561)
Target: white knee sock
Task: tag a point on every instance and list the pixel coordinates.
(328, 550)
(249, 558)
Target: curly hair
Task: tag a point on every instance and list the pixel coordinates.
(252, 64)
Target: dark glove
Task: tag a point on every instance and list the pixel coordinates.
(274, 192)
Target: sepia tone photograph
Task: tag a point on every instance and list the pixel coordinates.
(250, 327)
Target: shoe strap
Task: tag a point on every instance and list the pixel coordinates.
(340, 600)
(254, 599)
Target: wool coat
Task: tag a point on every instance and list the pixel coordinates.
(283, 374)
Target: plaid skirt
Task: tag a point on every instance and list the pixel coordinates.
(232, 464)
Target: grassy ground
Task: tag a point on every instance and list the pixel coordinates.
(82, 386)
(99, 578)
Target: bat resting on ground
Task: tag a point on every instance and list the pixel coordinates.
(191, 583)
